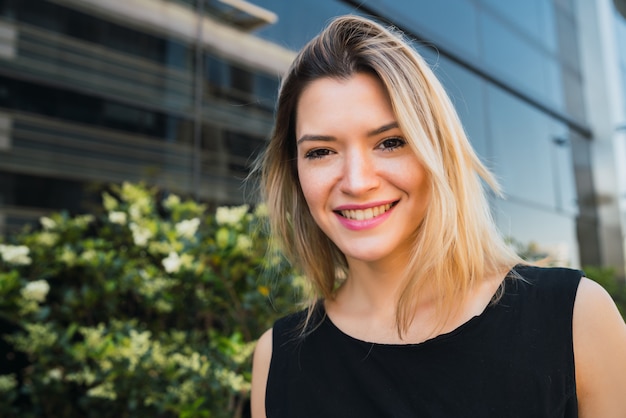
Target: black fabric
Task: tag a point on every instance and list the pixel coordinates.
(514, 360)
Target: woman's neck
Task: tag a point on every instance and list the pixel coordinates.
(374, 286)
(365, 306)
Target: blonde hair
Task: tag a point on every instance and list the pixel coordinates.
(457, 244)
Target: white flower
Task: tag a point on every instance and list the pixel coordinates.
(135, 212)
(172, 262)
(15, 254)
(47, 223)
(37, 291)
(187, 228)
(171, 201)
(89, 255)
(118, 218)
(55, 374)
(231, 216)
(140, 235)
(47, 239)
(244, 244)
(109, 202)
(68, 256)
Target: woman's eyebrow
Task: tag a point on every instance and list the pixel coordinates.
(307, 137)
(386, 127)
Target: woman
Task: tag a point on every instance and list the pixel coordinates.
(421, 309)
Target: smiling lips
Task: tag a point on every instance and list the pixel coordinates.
(365, 214)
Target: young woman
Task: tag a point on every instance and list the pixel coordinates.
(421, 309)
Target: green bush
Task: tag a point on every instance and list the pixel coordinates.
(147, 309)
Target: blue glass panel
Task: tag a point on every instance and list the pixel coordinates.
(299, 21)
(554, 84)
(534, 17)
(620, 36)
(562, 166)
(568, 41)
(572, 89)
(467, 94)
(521, 138)
(517, 60)
(566, 5)
(623, 72)
(449, 23)
(532, 154)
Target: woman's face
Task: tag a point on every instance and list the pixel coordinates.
(364, 186)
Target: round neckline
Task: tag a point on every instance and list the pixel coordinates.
(464, 327)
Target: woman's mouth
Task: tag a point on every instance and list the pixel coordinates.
(365, 214)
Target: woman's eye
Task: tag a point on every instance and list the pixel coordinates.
(392, 143)
(317, 153)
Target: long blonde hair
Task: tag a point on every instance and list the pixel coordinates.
(457, 244)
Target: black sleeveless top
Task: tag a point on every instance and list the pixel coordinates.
(514, 360)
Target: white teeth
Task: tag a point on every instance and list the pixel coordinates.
(369, 213)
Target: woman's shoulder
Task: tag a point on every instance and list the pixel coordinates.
(560, 282)
(599, 347)
(540, 275)
(291, 321)
(260, 372)
(272, 343)
(299, 324)
(537, 293)
(288, 324)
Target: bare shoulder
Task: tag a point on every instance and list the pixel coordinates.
(600, 353)
(260, 371)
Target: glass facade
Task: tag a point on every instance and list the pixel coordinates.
(89, 100)
(88, 96)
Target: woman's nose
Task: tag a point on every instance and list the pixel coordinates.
(359, 174)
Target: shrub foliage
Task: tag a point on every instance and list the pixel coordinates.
(148, 309)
